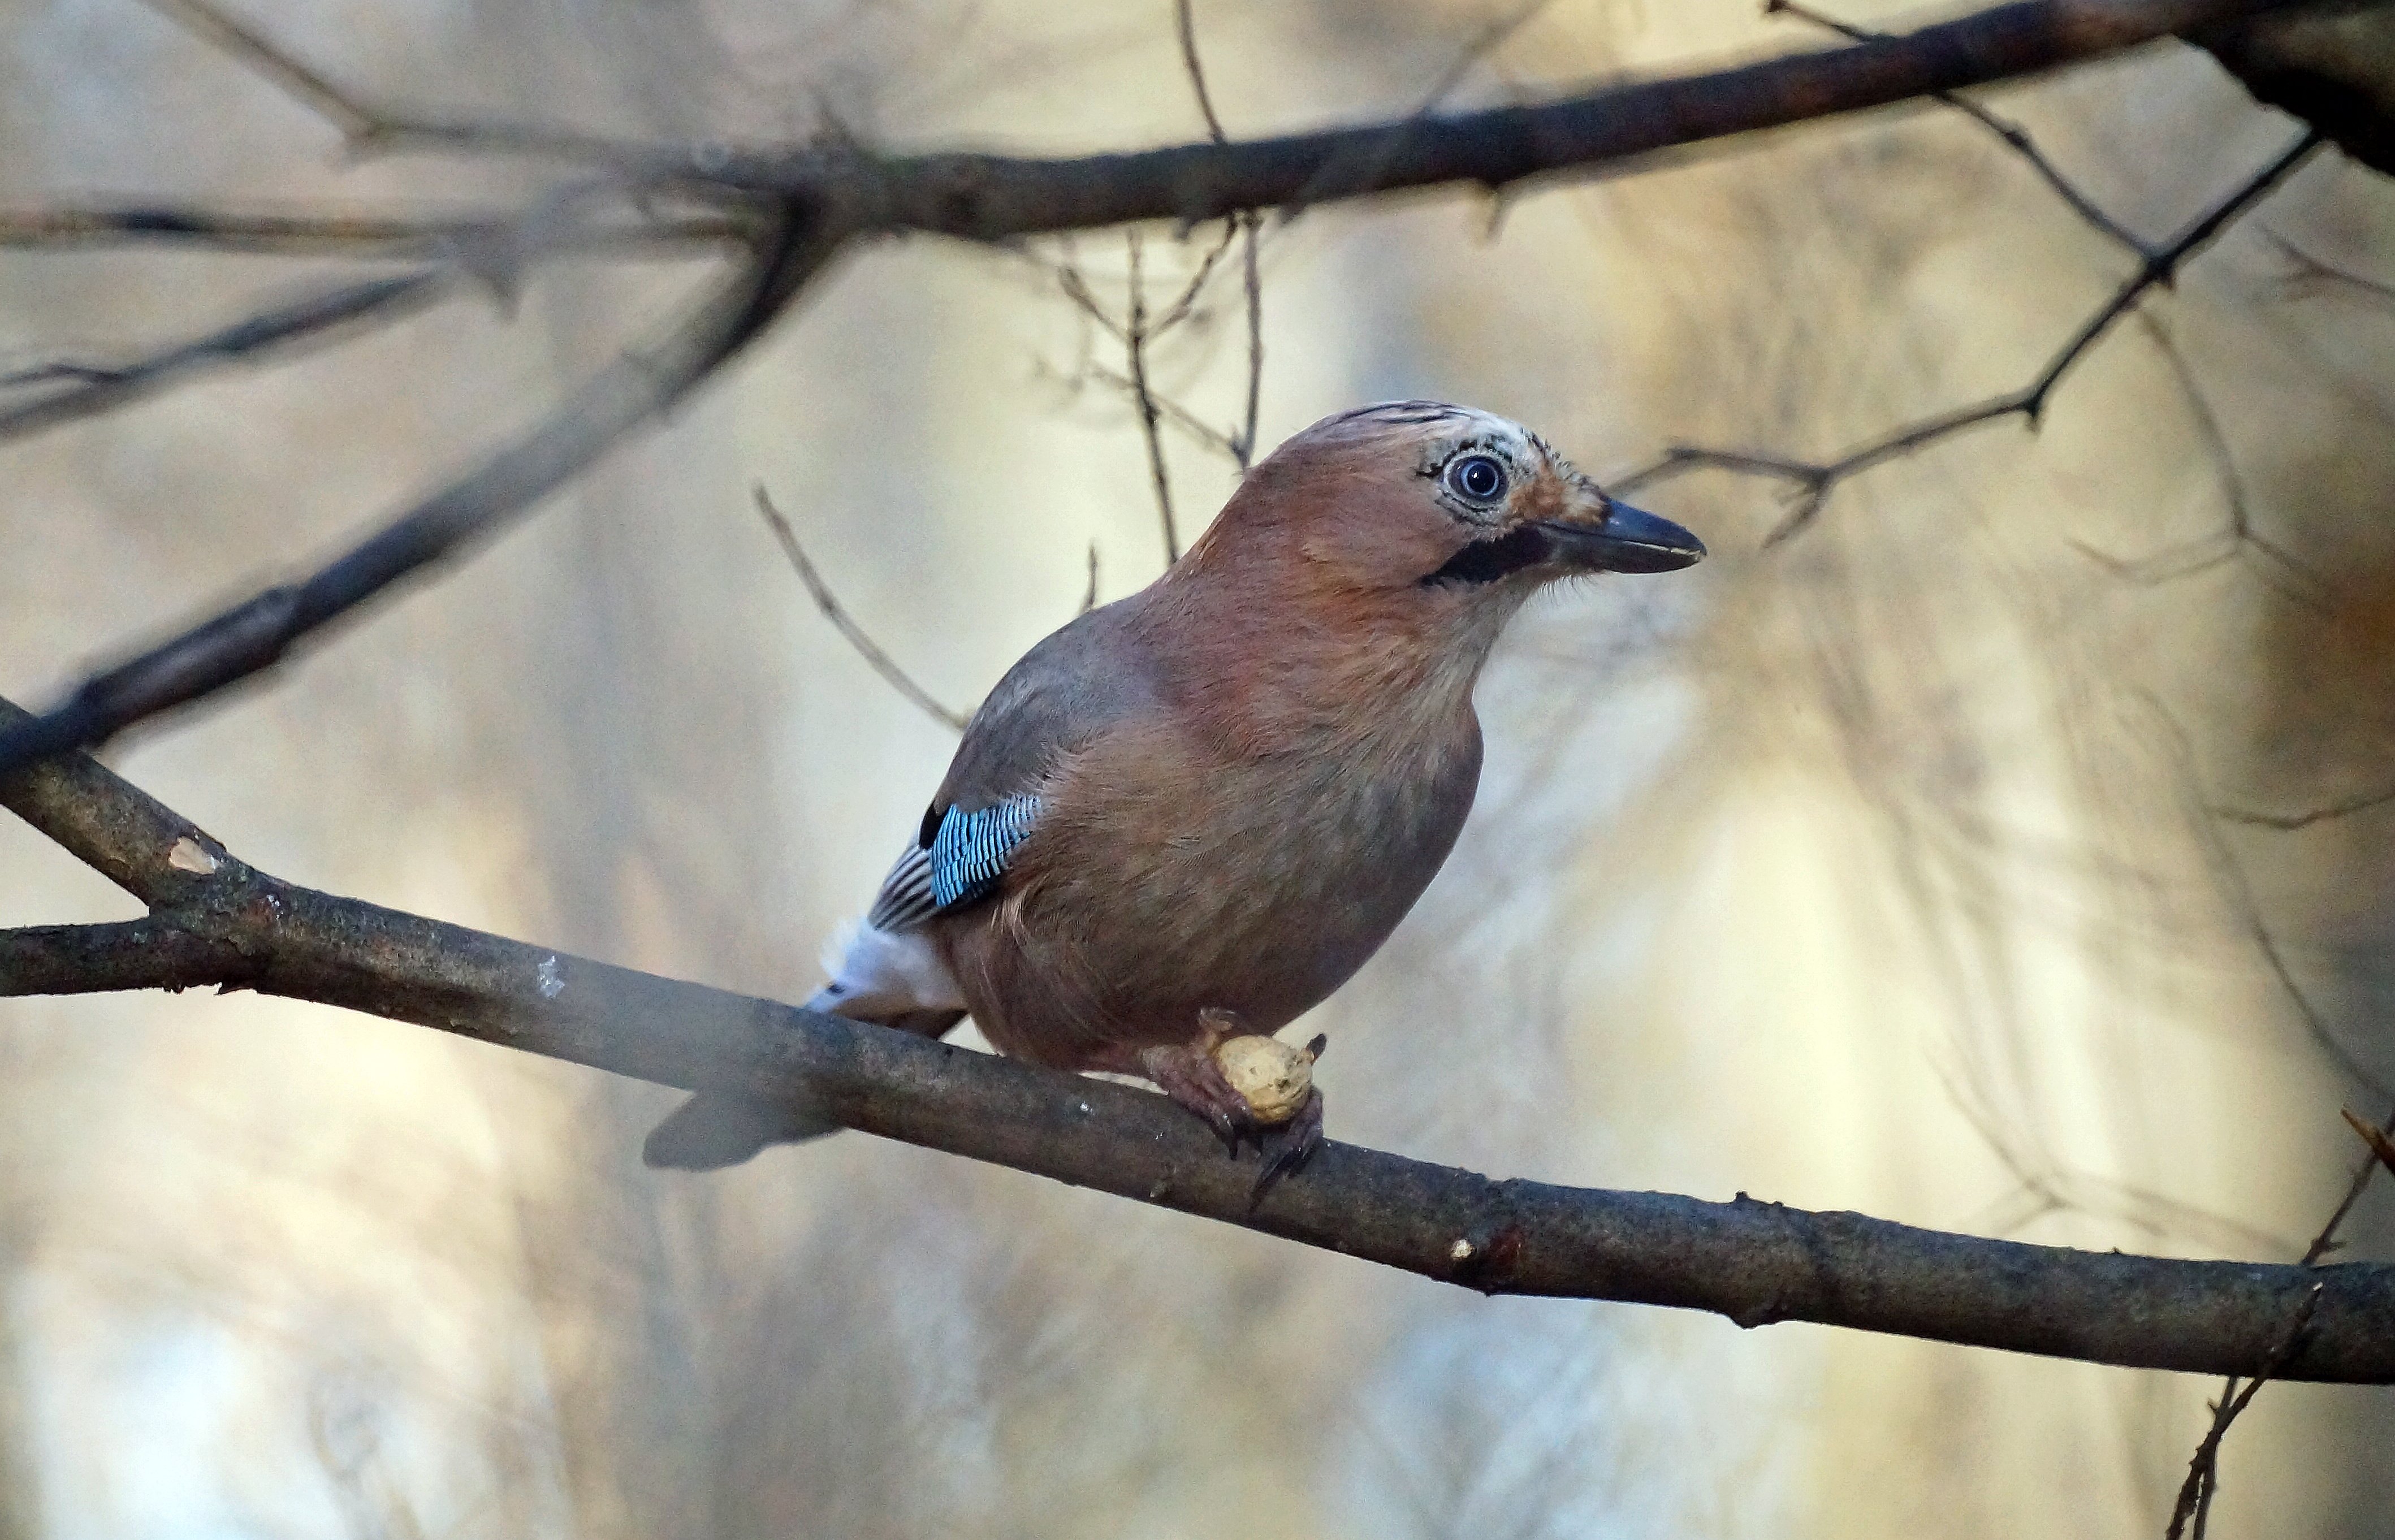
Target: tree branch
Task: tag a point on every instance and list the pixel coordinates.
(986, 197)
(365, 235)
(853, 633)
(2202, 1483)
(217, 921)
(831, 193)
(1813, 481)
(67, 390)
(2336, 72)
(252, 636)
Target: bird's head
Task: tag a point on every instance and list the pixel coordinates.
(1438, 509)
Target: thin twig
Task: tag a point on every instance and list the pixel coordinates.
(2203, 1468)
(2382, 1149)
(1811, 481)
(1241, 441)
(1090, 594)
(2202, 1481)
(368, 129)
(2312, 271)
(239, 41)
(88, 390)
(2014, 136)
(1135, 353)
(842, 622)
(2280, 569)
(1186, 25)
(1198, 430)
(1244, 444)
(252, 636)
(375, 236)
(2238, 891)
(2304, 818)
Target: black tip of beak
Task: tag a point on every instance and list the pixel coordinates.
(1631, 540)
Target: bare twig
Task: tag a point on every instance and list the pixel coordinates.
(2304, 818)
(2203, 1469)
(2238, 891)
(1198, 430)
(2013, 135)
(2382, 1149)
(79, 389)
(2202, 1481)
(217, 921)
(1811, 481)
(253, 635)
(1241, 442)
(842, 622)
(2281, 569)
(1090, 594)
(1185, 23)
(1135, 338)
(2312, 273)
(1251, 280)
(368, 128)
(364, 235)
(237, 40)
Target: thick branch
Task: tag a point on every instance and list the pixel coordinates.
(2336, 73)
(994, 197)
(1754, 1262)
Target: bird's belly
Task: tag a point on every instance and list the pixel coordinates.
(1261, 904)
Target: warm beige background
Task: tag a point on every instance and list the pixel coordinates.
(1869, 873)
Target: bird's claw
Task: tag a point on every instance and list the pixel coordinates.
(1286, 1147)
(1192, 1078)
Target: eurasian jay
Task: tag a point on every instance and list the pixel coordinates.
(1196, 811)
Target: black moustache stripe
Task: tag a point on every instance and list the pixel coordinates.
(1487, 560)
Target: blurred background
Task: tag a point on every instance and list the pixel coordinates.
(1883, 869)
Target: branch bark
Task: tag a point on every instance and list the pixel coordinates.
(996, 197)
(2336, 73)
(217, 921)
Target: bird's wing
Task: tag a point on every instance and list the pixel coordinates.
(1066, 692)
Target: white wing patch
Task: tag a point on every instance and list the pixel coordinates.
(877, 973)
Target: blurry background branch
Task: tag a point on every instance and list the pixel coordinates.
(215, 921)
(804, 205)
(2356, 45)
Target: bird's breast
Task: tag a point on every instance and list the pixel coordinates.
(1171, 872)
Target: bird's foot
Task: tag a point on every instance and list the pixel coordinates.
(1190, 1076)
(1286, 1147)
(1249, 1090)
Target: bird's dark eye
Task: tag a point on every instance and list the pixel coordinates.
(1477, 479)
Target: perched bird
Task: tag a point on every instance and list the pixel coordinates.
(1193, 814)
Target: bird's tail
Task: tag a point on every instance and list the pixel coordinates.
(895, 979)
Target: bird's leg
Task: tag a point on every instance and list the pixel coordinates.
(1194, 1075)
(1189, 1073)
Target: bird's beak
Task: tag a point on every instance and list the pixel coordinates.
(1627, 540)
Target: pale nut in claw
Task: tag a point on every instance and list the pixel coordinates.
(1273, 1078)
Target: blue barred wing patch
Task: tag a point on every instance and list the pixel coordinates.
(970, 851)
